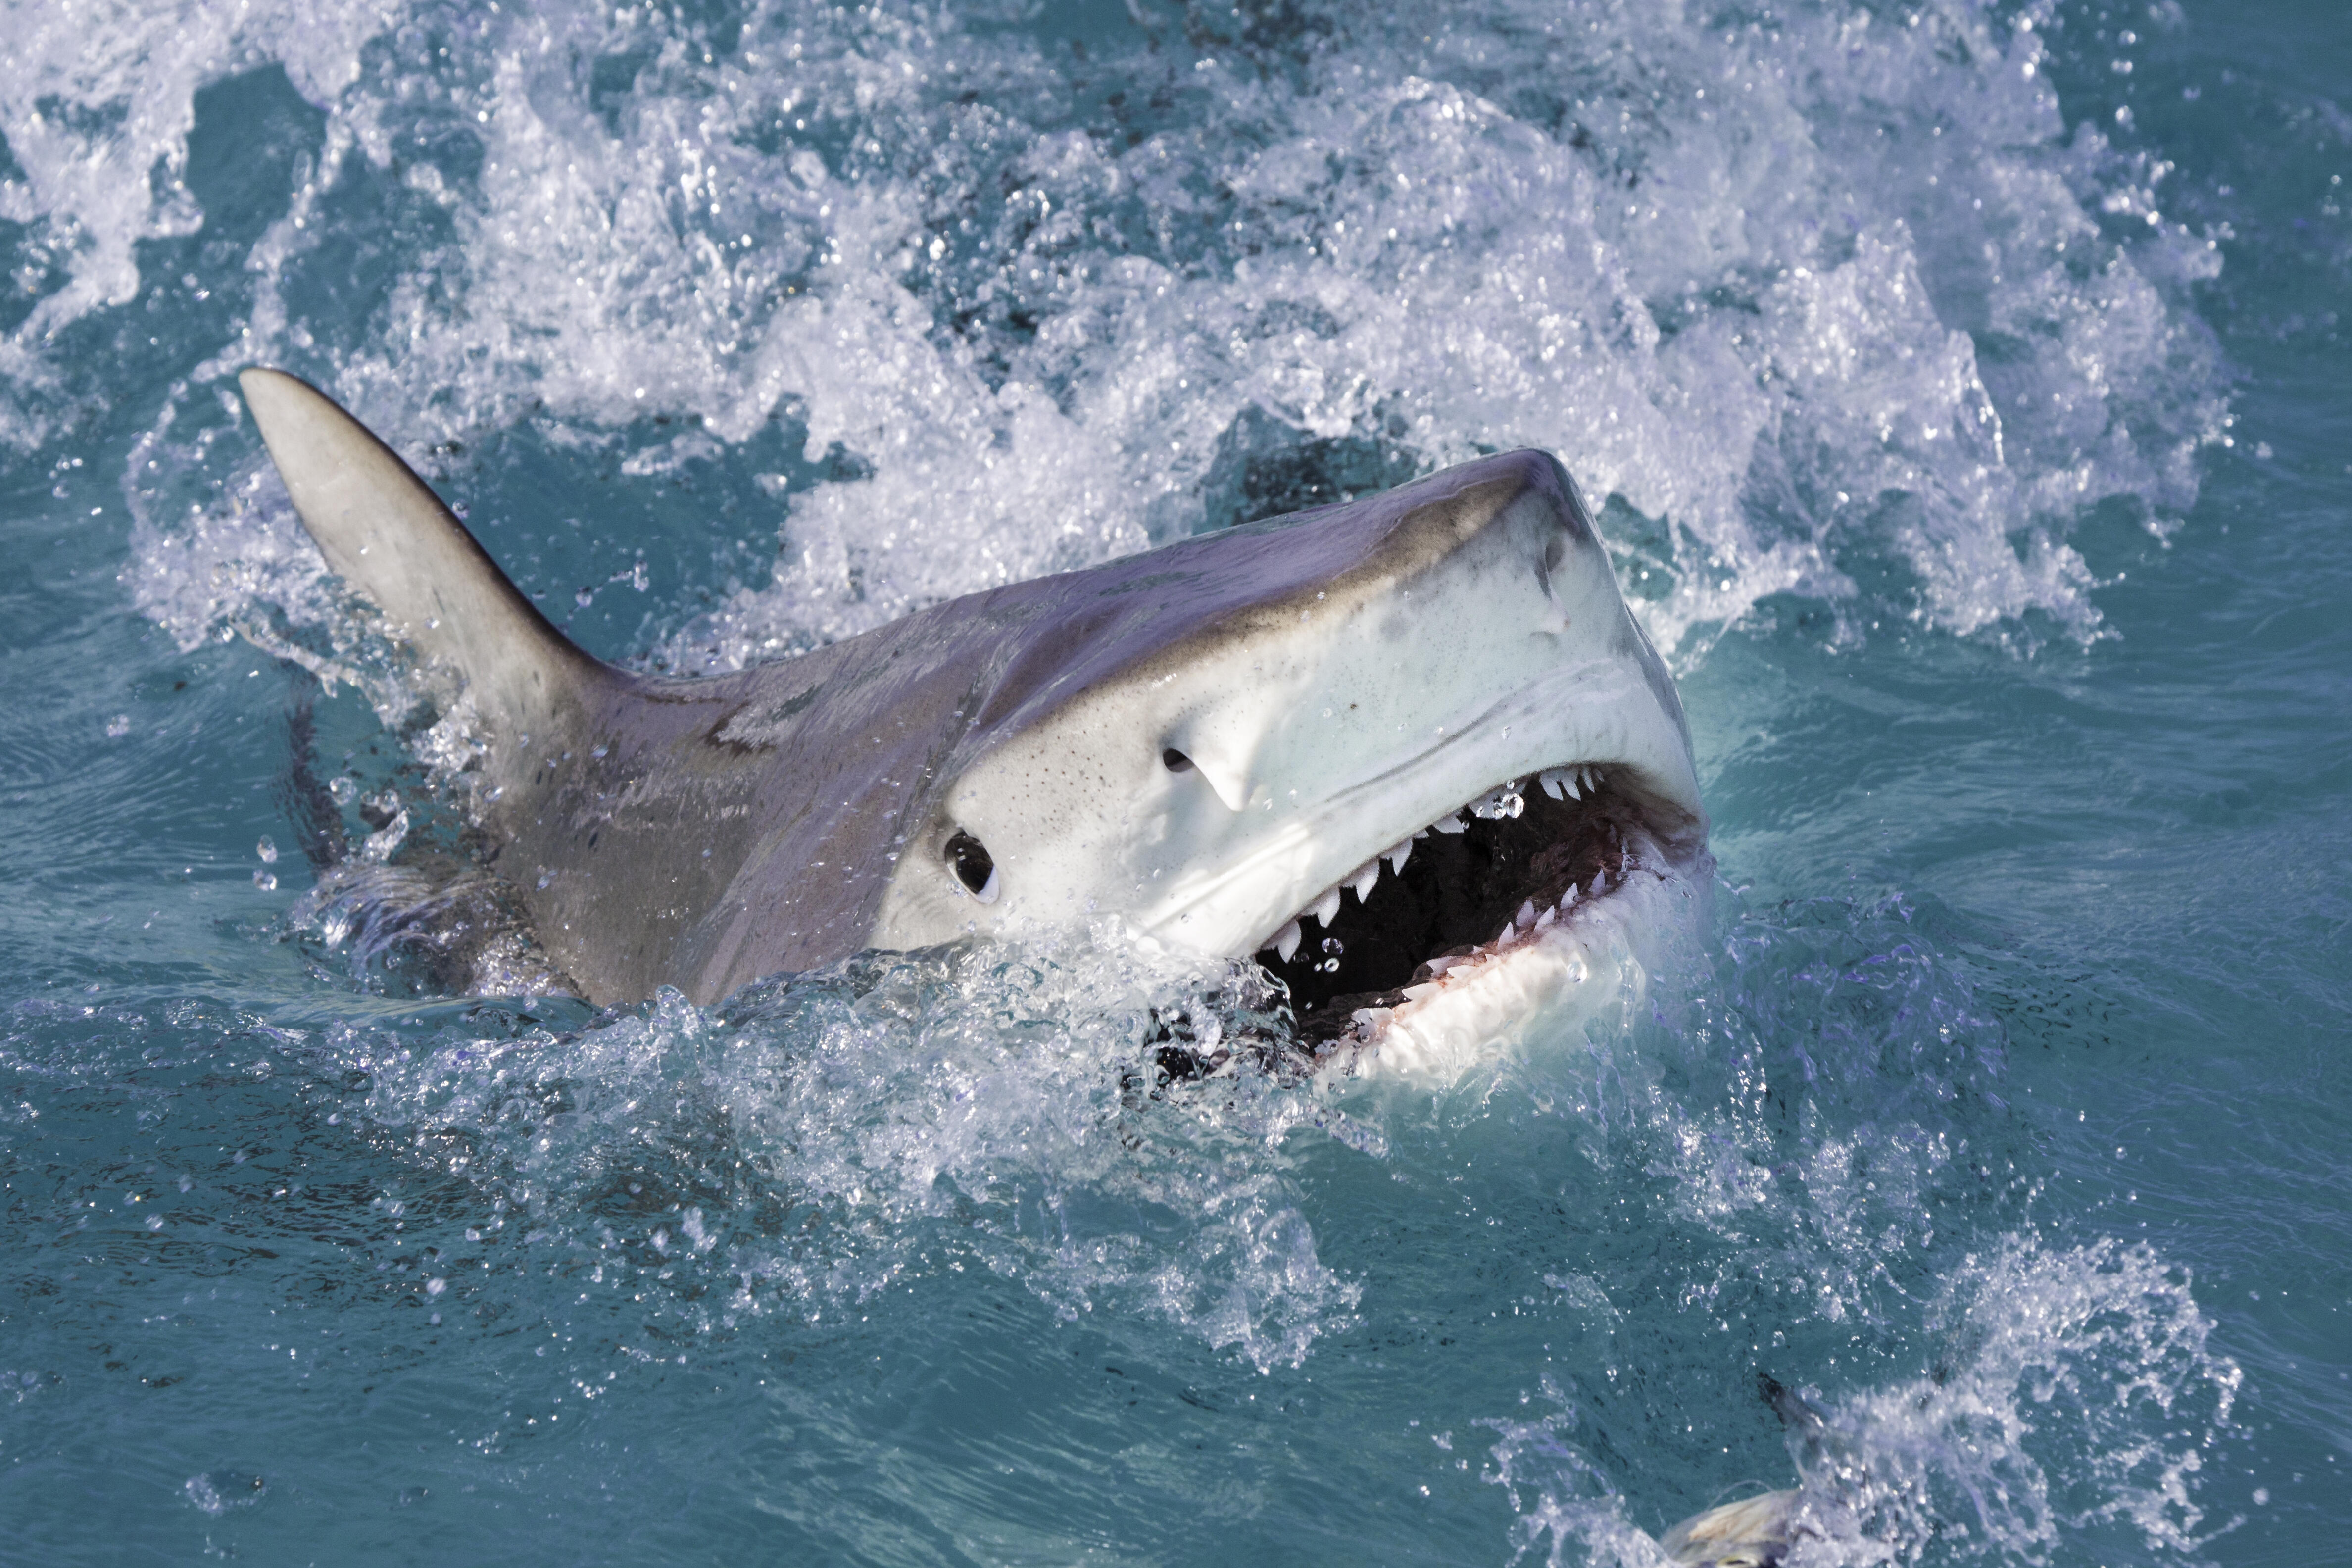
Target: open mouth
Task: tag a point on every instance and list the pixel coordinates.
(1473, 885)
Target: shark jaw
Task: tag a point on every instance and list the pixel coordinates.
(1532, 907)
(1429, 771)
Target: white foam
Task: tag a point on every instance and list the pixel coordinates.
(915, 1115)
(2085, 1394)
(1830, 289)
(94, 98)
(2077, 1404)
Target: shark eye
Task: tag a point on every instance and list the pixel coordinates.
(1175, 761)
(969, 859)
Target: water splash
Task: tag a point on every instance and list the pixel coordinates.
(217, 1492)
(1822, 1122)
(823, 1139)
(1804, 295)
(2074, 1402)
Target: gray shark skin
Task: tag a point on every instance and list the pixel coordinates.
(1203, 740)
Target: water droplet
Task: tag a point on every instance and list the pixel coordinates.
(217, 1492)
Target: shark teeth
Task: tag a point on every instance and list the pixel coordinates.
(1569, 782)
(1442, 973)
(1522, 924)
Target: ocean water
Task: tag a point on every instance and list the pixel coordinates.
(1967, 387)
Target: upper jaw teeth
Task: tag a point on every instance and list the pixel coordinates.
(1285, 940)
(1563, 784)
(1505, 800)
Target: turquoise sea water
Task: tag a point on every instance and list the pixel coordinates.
(1969, 388)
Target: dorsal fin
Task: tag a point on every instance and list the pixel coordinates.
(386, 532)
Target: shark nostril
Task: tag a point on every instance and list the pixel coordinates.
(973, 865)
(1175, 761)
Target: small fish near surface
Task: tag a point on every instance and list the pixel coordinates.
(1765, 1530)
(1411, 751)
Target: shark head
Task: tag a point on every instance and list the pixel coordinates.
(1412, 752)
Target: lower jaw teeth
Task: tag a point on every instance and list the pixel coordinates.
(1529, 920)
(1527, 924)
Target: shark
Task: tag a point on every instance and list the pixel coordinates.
(1411, 752)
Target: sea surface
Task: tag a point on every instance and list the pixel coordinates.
(1970, 393)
